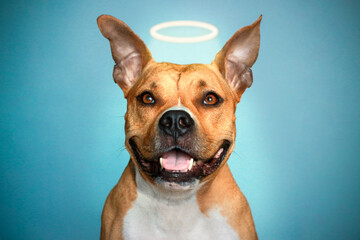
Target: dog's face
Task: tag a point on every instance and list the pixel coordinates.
(180, 120)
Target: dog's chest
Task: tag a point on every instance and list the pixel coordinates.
(150, 219)
(154, 217)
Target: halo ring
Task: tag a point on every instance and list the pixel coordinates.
(213, 31)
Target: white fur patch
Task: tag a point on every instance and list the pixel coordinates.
(179, 107)
(172, 215)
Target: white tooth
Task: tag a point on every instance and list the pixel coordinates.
(218, 154)
(194, 163)
(191, 164)
(161, 163)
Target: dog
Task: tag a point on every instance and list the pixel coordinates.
(180, 131)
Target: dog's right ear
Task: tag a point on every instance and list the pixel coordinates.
(237, 57)
(128, 50)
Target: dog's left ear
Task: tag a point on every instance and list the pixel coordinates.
(128, 50)
(237, 57)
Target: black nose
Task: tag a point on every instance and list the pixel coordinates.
(176, 123)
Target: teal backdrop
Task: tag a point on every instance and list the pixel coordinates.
(62, 117)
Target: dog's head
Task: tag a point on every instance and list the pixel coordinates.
(180, 119)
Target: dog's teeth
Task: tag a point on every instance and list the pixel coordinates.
(194, 163)
(191, 164)
(218, 154)
(161, 166)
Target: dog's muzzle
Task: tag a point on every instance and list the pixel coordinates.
(176, 151)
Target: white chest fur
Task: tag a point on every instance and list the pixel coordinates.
(158, 216)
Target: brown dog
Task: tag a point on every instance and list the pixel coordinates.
(180, 131)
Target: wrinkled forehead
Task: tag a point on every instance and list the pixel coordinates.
(199, 76)
(170, 76)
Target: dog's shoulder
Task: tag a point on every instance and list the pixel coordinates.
(118, 203)
(226, 194)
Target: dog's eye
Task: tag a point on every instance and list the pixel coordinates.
(211, 99)
(146, 98)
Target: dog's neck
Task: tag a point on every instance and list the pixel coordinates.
(172, 214)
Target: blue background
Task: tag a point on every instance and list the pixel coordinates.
(62, 125)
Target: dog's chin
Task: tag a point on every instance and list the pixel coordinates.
(177, 169)
(184, 186)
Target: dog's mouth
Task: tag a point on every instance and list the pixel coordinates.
(178, 165)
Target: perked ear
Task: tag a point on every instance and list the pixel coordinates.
(128, 50)
(237, 57)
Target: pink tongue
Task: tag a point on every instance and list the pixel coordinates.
(175, 160)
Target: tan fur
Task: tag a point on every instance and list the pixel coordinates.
(222, 192)
(117, 204)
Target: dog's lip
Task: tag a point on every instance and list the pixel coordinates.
(202, 169)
